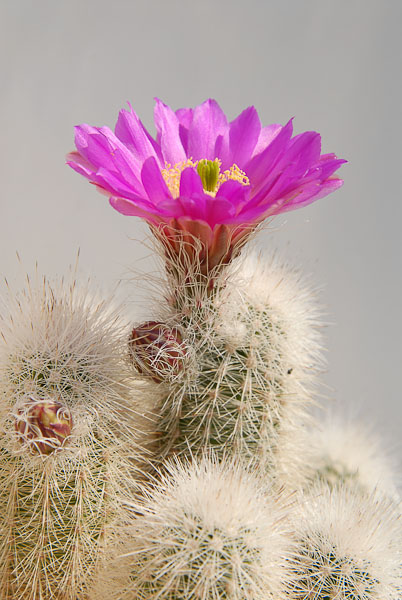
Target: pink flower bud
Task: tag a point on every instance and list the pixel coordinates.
(44, 425)
(157, 350)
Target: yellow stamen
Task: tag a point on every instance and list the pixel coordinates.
(171, 174)
(209, 172)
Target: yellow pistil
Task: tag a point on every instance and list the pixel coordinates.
(209, 172)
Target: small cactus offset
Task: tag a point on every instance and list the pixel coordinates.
(68, 440)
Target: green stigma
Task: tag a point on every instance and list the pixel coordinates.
(208, 170)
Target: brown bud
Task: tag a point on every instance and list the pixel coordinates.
(157, 350)
(44, 425)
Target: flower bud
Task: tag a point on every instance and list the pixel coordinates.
(157, 350)
(44, 425)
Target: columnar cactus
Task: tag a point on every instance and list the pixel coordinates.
(255, 351)
(68, 444)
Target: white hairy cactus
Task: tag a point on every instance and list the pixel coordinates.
(346, 452)
(255, 352)
(348, 546)
(69, 439)
(206, 531)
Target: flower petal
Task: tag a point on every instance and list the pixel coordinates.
(102, 148)
(167, 125)
(263, 163)
(80, 164)
(133, 134)
(185, 116)
(266, 136)
(133, 208)
(190, 183)
(208, 122)
(237, 194)
(328, 164)
(243, 136)
(153, 182)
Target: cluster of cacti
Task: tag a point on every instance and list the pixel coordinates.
(178, 458)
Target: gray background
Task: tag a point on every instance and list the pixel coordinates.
(335, 66)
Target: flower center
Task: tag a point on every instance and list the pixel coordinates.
(209, 172)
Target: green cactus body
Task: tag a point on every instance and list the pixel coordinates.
(249, 375)
(234, 403)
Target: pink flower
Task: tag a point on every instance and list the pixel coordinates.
(203, 177)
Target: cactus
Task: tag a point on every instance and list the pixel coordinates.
(348, 546)
(70, 438)
(348, 453)
(253, 352)
(206, 532)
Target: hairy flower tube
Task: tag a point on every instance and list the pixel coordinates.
(204, 183)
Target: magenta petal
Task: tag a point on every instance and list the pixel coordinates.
(77, 158)
(303, 151)
(111, 181)
(118, 186)
(80, 164)
(262, 163)
(153, 182)
(209, 122)
(133, 209)
(218, 210)
(328, 164)
(190, 183)
(103, 149)
(185, 116)
(266, 136)
(167, 125)
(93, 145)
(243, 136)
(309, 195)
(192, 207)
(133, 134)
(236, 193)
